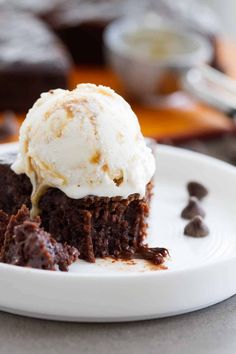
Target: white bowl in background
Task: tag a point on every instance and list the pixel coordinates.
(143, 73)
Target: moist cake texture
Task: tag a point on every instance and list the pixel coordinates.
(15, 190)
(26, 244)
(96, 226)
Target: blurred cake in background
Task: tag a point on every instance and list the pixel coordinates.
(32, 60)
(80, 25)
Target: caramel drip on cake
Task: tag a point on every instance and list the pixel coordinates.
(39, 191)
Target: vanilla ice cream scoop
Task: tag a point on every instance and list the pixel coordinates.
(85, 142)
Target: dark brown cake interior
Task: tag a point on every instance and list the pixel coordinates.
(15, 190)
(26, 244)
(96, 226)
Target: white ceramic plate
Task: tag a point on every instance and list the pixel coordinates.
(201, 272)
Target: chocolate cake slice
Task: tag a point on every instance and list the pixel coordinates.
(32, 60)
(96, 226)
(26, 244)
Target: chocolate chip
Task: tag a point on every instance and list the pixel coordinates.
(192, 209)
(196, 228)
(197, 190)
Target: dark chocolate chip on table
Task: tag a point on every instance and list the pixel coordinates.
(196, 228)
(197, 190)
(192, 209)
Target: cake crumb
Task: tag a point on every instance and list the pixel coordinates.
(26, 244)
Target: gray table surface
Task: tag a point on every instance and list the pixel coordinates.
(208, 331)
